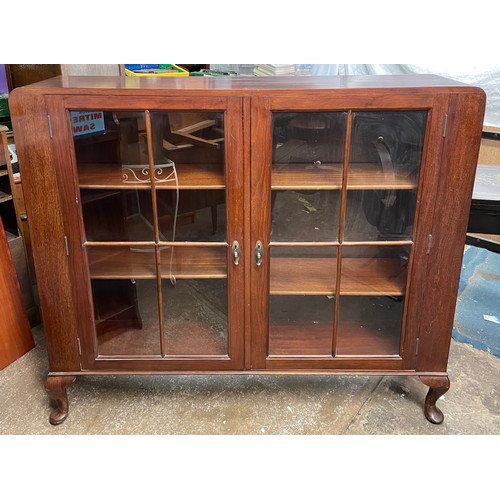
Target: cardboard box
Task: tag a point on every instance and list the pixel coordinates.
(489, 153)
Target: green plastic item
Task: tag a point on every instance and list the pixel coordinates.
(4, 106)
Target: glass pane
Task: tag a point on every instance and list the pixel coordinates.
(301, 306)
(121, 262)
(192, 215)
(384, 167)
(303, 270)
(125, 299)
(372, 289)
(194, 287)
(126, 316)
(306, 175)
(117, 215)
(192, 201)
(373, 270)
(113, 169)
(316, 139)
(369, 326)
(195, 317)
(301, 325)
(305, 215)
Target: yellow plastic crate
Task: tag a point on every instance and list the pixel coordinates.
(161, 70)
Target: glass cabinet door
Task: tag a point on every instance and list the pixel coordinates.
(153, 194)
(343, 191)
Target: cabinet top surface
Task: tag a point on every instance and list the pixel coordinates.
(241, 85)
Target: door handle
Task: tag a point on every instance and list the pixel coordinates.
(259, 253)
(236, 252)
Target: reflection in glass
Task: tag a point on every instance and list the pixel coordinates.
(301, 325)
(384, 166)
(192, 206)
(116, 206)
(308, 137)
(305, 215)
(195, 317)
(126, 316)
(188, 136)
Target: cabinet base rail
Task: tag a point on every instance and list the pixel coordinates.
(56, 386)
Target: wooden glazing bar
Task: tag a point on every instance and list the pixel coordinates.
(387, 243)
(119, 244)
(149, 139)
(163, 348)
(304, 244)
(343, 201)
(152, 175)
(193, 244)
(378, 243)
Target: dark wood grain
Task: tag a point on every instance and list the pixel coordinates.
(453, 181)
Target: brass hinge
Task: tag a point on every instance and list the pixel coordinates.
(416, 350)
(429, 243)
(445, 125)
(50, 126)
(79, 346)
(66, 246)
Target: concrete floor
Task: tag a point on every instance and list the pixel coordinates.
(253, 404)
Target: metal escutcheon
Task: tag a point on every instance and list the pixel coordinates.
(235, 252)
(259, 253)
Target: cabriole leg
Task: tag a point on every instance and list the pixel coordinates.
(55, 386)
(438, 385)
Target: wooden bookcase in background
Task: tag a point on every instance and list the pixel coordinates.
(15, 330)
(15, 221)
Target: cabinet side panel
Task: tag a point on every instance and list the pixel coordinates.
(456, 174)
(43, 207)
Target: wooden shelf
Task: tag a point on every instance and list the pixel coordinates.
(305, 339)
(190, 176)
(5, 197)
(308, 276)
(329, 176)
(140, 263)
(194, 262)
(360, 276)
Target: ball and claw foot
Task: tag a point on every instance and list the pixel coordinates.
(437, 387)
(56, 389)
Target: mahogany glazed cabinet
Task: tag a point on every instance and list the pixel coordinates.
(277, 225)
